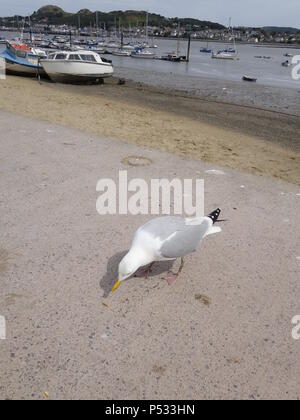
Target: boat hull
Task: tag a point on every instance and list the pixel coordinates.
(22, 70)
(223, 57)
(72, 72)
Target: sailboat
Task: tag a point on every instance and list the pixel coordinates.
(142, 52)
(206, 50)
(229, 53)
(174, 57)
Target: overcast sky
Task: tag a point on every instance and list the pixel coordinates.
(243, 12)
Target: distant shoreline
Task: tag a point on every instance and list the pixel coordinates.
(262, 45)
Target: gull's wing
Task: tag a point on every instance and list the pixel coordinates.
(186, 241)
(177, 236)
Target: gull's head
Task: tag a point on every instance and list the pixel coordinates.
(127, 267)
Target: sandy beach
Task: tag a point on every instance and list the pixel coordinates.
(221, 331)
(257, 141)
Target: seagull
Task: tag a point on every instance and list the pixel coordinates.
(166, 239)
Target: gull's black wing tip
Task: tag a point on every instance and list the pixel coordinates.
(214, 216)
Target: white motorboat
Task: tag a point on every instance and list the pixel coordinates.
(77, 67)
(141, 53)
(222, 55)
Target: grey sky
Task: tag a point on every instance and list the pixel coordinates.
(243, 12)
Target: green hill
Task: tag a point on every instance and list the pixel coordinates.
(54, 15)
(281, 30)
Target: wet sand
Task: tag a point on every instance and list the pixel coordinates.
(252, 140)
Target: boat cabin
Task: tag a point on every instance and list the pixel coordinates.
(78, 56)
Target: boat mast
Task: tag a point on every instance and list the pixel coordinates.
(233, 35)
(97, 23)
(147, 27)
(178, 39)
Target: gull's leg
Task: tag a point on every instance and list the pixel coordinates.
(148, 271)
(181, 266)
(172, 277)
(145, 272)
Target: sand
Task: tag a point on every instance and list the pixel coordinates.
(223, 330)
(255, 141)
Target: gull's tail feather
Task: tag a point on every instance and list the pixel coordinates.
(215, 215)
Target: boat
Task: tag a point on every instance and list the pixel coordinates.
(223, 56)
(228, 50)
(121, 53)
(128, 47)
(22, 60)
(206, 50)
(77, 67)
(141, 53)
(229, 53)
(173, 57)
(249, 79)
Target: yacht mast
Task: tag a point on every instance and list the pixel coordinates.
(178, 39)
(147, 27)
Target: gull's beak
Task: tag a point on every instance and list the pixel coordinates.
(117, 284)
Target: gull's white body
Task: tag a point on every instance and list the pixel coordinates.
(165, 238)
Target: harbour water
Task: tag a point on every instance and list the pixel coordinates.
(268, 70)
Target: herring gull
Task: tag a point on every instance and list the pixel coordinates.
(166, 239)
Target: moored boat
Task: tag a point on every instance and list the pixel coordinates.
(141, 53)
(249, 79)
(224, 55)
(206, 50)
(21, 59)
(121, 53)
(173, 57)
(77, 67)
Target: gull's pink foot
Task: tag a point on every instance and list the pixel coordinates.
(171, 278)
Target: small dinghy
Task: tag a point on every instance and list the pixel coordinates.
(249, 79)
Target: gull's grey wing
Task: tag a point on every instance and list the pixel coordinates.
(164, 227)
(178, 238)
(184, 242)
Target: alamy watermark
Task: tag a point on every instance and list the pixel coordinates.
(296, 68)
(296, 329)
(2, 328)
(2, 69)
(157, 197)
